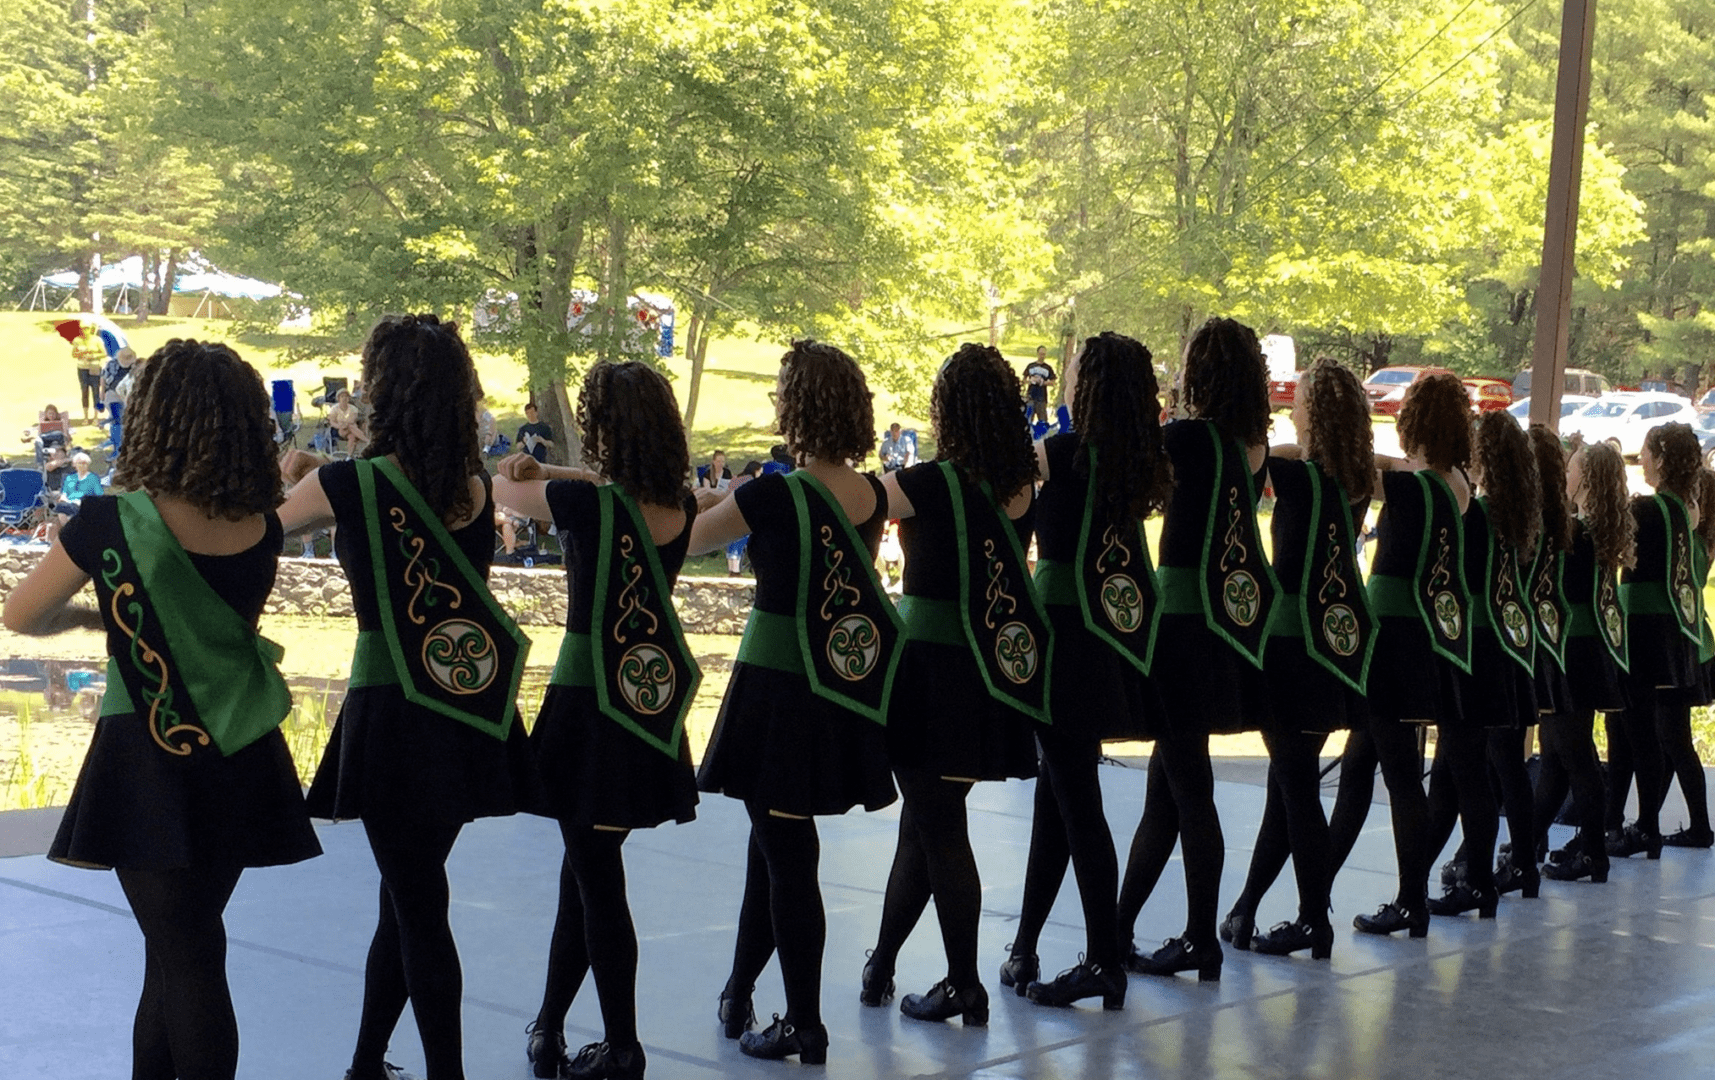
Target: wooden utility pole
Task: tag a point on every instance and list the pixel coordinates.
(1560, 230)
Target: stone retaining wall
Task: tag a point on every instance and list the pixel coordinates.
(535, 596)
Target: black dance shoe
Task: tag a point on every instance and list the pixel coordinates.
(1237, 929)
(1390, 919)
(1689, 837)
(1452, 873)
(736, 1014)
(1629, 841)
(1077, 983)
(781, 1040)
(877, 985)
(1510, 877)
(1175, 955)
(1573, 867)
(1019, 971)
(604, 1061)
(1290, 937)
(942, 1002)
(1462, 898)
(546, 1051)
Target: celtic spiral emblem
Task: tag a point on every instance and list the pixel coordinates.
(1340, 629)
(646, 679)
(460, 656)
(1550, 620)
(1687, 604)
(1516, 623)
(1448, 618)
(1015, 649)
(1122, 603)
(854, 647)
(1241, 597)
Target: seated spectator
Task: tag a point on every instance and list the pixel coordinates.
(52, 429)
(55, 469)
(898, 450)
(535, 437)
(715, 475)
(735, 550)
(72, 493)
(343, 419)
(487, 430)
(779, 460)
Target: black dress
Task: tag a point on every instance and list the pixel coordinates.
(137, 807)
(776, 742)
(941, 717)
(1596, 682)
(1499, 692)
(1206, 686)
(1409, 681)
(1661, 656)
(593, 771)
(388, 758)
(1307, 696)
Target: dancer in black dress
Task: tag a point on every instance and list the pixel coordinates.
(1218, 594)
(426, 739)
(1095, 579)
(1603, 541)
(1319, 650)
(800, 732)
(609, 742)
(971, 691)
(1422, 605)
(188, 781)
(1675, 728)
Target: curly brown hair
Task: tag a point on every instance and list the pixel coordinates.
(1508, 467)
(1704, 489)
(1116, 408)
(1551, 477)
(1676, 448)
(200, 426)
(632, 431)
(973, 408)
(1435, 419)
(826, 409)
(1226, 380)
(1339, 438)
(1606, 505)
(421, 388)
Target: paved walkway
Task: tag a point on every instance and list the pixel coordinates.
(1588, 982)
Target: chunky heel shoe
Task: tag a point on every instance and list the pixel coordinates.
(1078, 983)
(1579, 866)
(1510, 877)
(1176, 955)
(1390, 919)
(942, 1002)
(546, 1052)
(1290, 937)
(1690, 838)
(1462, 898)
(603, 1061)
(1631, 840)
(877, 987)
(1237, 930)
(736, 1014)
(781, 1040)
(1019, 971)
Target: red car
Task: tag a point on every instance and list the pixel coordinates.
(1281, 392)
(1488, 395)
(1386, 386)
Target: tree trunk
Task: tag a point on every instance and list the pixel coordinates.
(697, 349)
(616, 291)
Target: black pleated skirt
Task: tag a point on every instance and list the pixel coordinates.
(1499, 692)
(943, 720)
(1096, 694)
(1553, 688)
(1660, 655)
(1206, 687)
(1596, 681)
(1409, 681)
(1307, 697)
(592, 771)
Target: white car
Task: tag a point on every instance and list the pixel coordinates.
(1623, 418)
(1570, 403)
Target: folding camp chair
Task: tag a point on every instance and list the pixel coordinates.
(20, 498)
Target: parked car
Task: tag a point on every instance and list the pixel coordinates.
(1578, 381)
(1622, 419)
(1488, 395)
(1571, 403)
(1706, 403)
(1704, 425)
(1282, 391)
(1386, 386)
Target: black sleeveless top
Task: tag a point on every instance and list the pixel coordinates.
(577, 517)
(768, 509)
(1060, 506)
(1290, 528)
(929, 539)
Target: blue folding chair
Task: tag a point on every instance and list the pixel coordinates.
(20, 494)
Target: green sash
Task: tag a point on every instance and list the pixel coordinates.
(1700, 573)
(1608, 601)
(454, 650)
(1232, 568)
(1505, 596)
(1115, 585)
(1003, 618)
(1442, 598)
(648, 676)
(848, 633)
(1335, 616)
(197, 666)
(1548, 601)
(1686, 599)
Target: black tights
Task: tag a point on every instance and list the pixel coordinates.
(934, 858)
(1506, 762)
(185, 1026)
(1392, 744)
(1634, 749)
(782, 909)
(1673, 728)
(593, 931)
(1293, 824)
(1459, 791)
(1179, 803)
(1569, 762)
(1069, 825)
(412, 957)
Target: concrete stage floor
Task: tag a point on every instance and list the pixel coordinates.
(1589, 981)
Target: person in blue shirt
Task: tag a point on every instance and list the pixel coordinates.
(72, 492)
